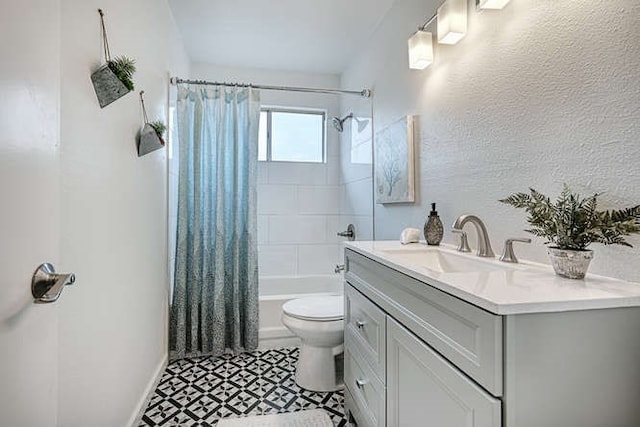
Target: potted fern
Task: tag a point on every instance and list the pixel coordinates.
(159, 128)
(571, 224)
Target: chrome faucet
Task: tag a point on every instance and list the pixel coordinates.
(484, 245)
(464, 243)
(507, 254)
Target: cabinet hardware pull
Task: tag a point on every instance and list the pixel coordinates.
(360, 324)
(361, 383)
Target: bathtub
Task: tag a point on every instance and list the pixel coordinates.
(276, 290)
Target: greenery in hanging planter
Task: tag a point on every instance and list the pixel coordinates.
(159, 127)
(573, 222)
(123, 68)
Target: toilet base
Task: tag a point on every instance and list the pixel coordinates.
(316, 368)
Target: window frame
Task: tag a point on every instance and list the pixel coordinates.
(293, 110)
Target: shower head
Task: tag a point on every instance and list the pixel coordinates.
(338, 123)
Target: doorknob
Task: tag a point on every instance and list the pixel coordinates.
(46, 284)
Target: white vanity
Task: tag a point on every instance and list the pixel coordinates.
(435, 338)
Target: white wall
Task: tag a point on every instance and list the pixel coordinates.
(298, 203)
(113, 214)
(538, 94)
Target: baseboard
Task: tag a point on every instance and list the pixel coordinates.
(137, 414)
(275, 337)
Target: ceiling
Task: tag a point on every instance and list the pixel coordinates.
(304, 35)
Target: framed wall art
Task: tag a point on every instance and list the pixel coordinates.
(395, 162)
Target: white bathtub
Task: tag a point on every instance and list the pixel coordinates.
(276, 290)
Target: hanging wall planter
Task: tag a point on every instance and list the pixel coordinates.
(150, 136)
(113, 79)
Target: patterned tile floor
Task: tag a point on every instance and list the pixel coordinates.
(200, 391)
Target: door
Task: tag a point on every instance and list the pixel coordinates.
(424, 389)
(29, 214)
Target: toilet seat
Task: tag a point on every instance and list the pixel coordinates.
(319, 309)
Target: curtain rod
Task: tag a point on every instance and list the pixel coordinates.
(365, 93)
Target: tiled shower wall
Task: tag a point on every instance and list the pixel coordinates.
(298, 217)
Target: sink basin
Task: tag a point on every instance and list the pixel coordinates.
(442, 262)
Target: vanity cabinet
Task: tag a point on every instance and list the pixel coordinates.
(418, 356)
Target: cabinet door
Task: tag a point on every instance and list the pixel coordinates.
(425, 390)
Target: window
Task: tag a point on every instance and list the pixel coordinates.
(291, 135)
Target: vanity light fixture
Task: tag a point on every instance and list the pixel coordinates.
(492, 4)
(421, 46)
(452, 21)
(420, 50)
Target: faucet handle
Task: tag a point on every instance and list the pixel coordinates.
(507, 254)
(464, 242)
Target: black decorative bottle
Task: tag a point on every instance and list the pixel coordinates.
(433, 230)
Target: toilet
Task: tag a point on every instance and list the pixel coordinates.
(318, 321)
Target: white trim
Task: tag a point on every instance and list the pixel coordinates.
(277, 336)
(138, 412)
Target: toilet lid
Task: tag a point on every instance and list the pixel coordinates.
(325, 308)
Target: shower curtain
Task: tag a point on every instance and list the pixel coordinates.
(214, 306)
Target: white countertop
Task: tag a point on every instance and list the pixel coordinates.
(512, 288)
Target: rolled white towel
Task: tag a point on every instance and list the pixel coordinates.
(410, 235)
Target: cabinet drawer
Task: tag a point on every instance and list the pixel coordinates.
(466, 335)
(365, 327)
(354, 412)
(366, 389)
(424, 389)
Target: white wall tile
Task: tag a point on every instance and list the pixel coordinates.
(318, 259)
(297, 173)
(263, 229)
(263, 173)
(277, 260)
(293, 229)
(317, 200)
(333, 171)
(333, 142)
(277, 199)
